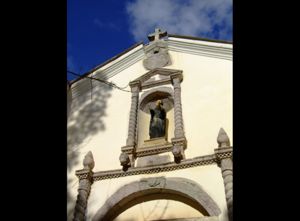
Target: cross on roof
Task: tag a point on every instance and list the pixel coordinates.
(157, 34)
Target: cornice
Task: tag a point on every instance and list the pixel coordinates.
(115, 66)
(198, 161)
(140, 152)
(109, 70)
(200, 49)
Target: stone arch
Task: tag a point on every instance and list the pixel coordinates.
(163, 93)
(179, 189)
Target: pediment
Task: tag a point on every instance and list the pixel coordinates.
(158, 76)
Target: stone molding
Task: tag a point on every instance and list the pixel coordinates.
(223, 153)
(194, 162)
(158, 71)
(84, 174)
(184, 190)
(146, 151)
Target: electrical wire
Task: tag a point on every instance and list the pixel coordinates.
(102, 81)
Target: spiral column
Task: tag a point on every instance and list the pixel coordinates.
(179, 140)
(127, 156)
(85, 181)
(224, 158)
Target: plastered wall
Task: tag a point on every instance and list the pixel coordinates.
(98, 122)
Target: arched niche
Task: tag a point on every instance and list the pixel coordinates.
(139, 119)
(147, 101)
(179, 189)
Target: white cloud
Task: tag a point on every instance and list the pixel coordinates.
(203, 18)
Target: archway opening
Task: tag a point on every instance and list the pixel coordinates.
(157, 188)
(149, 195)
(159, 210)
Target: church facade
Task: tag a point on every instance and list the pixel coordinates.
(150, 132)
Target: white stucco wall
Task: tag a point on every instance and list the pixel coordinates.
(98, 122)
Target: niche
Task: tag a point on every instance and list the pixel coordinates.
(149, 101)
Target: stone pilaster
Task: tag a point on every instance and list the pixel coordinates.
(179, 141)
(85, 181)
(224, 157)
(128, 151)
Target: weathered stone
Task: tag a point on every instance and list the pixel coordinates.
(223, 139)
(157, 34)
(154, 142)
(124, 159)
(153, 160)
(88, 161)
(180, 189)
(157, 182)
(157, 51)
(85, 181)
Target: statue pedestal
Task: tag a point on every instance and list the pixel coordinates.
(155, 142)
(154, 146)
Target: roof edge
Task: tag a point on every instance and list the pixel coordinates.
(199, 38)
(106, 62)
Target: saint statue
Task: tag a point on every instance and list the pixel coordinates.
(158, 121)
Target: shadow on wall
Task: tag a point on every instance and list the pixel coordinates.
(85, 119)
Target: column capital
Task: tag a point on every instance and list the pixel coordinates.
(176, 77)
(223, 153)
(84, 174)
(135, 86)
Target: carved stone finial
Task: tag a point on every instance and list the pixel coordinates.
(88, 161)
(124, 159)
(223, 139)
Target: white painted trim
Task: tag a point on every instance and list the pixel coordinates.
(196, 47)
(201, 42)
(209, 49)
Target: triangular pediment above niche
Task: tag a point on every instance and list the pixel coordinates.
(158, 76)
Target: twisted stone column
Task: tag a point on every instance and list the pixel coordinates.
(177, 107)
(224, 156)
(127, 156)
(85, 181)
(133, 115)
(226, 167)
(179, 141)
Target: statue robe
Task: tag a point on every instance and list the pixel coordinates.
(157, 123)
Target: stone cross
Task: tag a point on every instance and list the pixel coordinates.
(157, 34)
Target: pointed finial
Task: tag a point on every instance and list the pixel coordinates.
(88, 161)
(223, 139)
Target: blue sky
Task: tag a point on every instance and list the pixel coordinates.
(100, 29)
